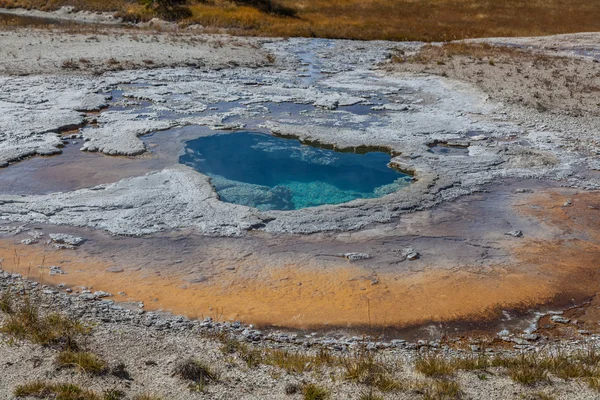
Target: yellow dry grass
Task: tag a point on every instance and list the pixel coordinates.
(426, 20)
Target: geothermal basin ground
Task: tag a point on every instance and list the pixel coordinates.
(474, 203)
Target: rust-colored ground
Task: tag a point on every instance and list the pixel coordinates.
(563, 271)
(297, 297)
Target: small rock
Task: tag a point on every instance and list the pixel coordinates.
(70, 240)
(503, 333)
(479, 137)
(567, 203)
(35, 234)
(56, 270)
(515, 233)
(409, 254)
(28, 241)
(115, 270)
(530, 336)
(355, 256)
(558, 319)
(199, 279)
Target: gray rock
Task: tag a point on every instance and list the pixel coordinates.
(559, 319)
(409, 254)
(62, 238)
(515, 233)
(355, 256)
(56, 270)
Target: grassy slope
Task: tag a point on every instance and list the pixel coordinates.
(429, 20)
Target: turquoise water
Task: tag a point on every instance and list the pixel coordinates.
(272, 173)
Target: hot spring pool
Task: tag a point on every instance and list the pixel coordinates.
(272, 173)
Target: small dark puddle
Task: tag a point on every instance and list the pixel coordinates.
(72, 170)
(273, 173)
(446, 149)
(360, 109)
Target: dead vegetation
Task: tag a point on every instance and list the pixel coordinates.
(314, 392)
(197, 373)
(47, 390)
(425, 20)
(83, 361)
(438, 375)
(25, 321)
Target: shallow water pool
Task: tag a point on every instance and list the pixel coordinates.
(273, 173)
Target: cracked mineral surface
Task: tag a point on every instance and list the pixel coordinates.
(315, 92)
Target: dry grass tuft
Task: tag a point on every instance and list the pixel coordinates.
(540, 396)
(314, 392)
(146, 396)
(113, 394)
(526, 369)
(296, 362)
(594, 384)
(60, 391)
(472, 362)
(25, 321)
(369, 396)
(196, 372)
(84, 361)
(441, 389)
(435, 366)
(364, 369)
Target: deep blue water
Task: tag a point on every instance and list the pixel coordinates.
(272, 173)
